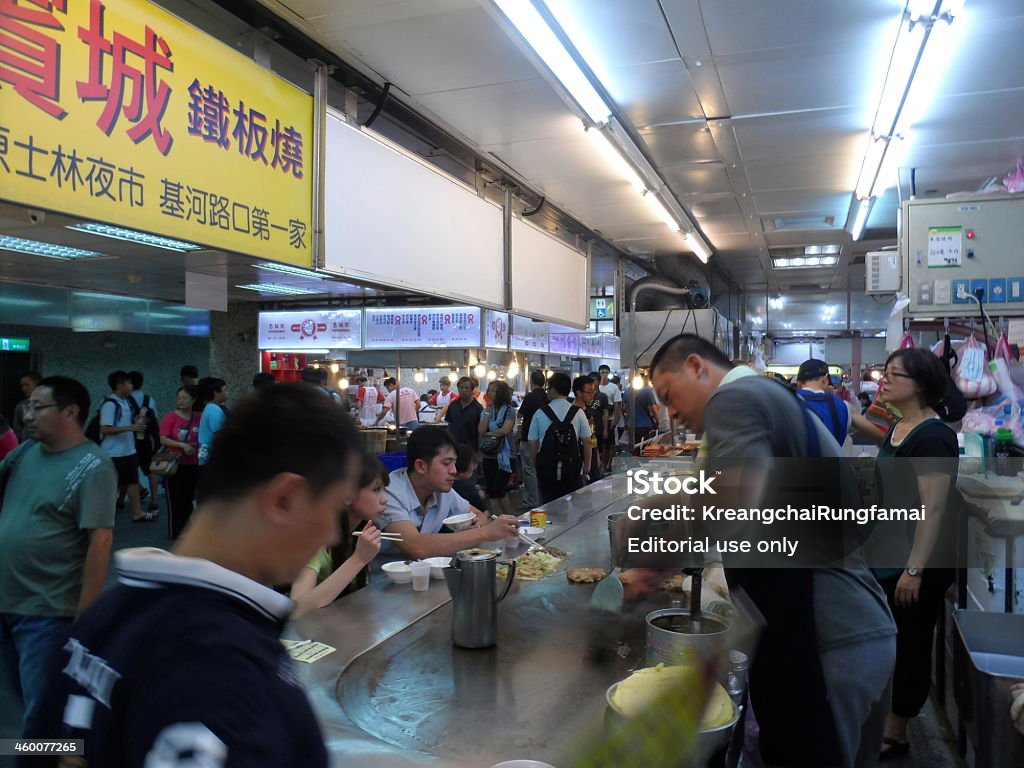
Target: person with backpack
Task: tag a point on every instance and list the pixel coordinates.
(118, 425)
(838, 416)
(57, 493)
(555, 434)
(148, 442)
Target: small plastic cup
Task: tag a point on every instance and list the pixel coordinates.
(420, 576)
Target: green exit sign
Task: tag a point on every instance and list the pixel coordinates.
(14, 345)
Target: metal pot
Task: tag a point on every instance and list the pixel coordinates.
(674, 636)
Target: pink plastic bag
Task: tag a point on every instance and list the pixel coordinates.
(1014, 182)
(971, 374)
(1000, 366)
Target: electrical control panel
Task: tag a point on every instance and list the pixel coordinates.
(882, 271)
(952, 249)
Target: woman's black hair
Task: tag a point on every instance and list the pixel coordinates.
(925, 369)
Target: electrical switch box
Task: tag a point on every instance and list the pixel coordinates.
(882, 270)
(949, 249)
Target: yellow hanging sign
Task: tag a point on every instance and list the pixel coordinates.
(122, 113)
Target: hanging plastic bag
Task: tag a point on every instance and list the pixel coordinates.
(908, 341)
(971, 374)
(1014, 182)
(999, 367)
(952, 407)
(881, 414)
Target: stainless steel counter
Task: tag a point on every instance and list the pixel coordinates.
(398, 693)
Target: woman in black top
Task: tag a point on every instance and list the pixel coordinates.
(917, 466)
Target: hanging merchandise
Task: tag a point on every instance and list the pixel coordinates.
(757, 361)
(1000, 366)
(880, 413)
(907, 341)
(953, 405)
(894, 327)
(971, 374)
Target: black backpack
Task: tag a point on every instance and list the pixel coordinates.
(151, 437)
(92, 429)
(559, 455)
(952, 407)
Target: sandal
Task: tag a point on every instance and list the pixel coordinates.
(892, 748)
(142, 519)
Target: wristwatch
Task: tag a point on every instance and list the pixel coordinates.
(913, 571)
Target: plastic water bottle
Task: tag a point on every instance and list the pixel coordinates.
(1003, 463)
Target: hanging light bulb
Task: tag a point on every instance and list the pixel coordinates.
(638, 380)
(335, 367)
(480, 370)
(418, 376)
(547, 373)
(492, 374)
(513, 369)
(315, 365)
(343, 383)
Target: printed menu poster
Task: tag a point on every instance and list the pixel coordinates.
(496, 329)
(340, 329)
(564, 343)
(414, 328)
(529, 336)
(591, 345)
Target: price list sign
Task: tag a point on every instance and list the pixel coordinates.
(528, 336)
(495, 329)
(419, 327)
(564, 343)
(591, 345)
(945, 247)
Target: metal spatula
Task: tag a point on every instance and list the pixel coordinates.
(608, 593)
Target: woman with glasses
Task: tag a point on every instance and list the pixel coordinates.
(916, 467)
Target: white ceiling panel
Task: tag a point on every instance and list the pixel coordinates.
(836, 171)
(497, 114)
(716, 226)
(714, 206)
(659, 92)
(975, 117)
(680, 144)
(703, 179)
(789, 201)
(801, 135)
(736, 26)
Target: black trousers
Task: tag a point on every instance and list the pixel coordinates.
(181, 491)
(556, 489)
(915, 626)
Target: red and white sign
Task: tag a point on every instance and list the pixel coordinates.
(496, 330)
(419, 327)
(339, 329)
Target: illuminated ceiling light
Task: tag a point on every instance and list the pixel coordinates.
(513, 369)
(861, 219)
(545, 43)
(638, 380)
(492, 374)
(343, 383)
(699, 248)
(605, 146)
(777, 302)
(288, 270)
(133, 236)
(418, 376)
(276, 288)
(49, 250)
(659, 209)
(335, 367)
(480, 370)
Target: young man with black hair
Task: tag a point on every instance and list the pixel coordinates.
(815, 386)
(55, 536)
(189, 376)
(613, 395)
(585, 395)
(119, 425)
(535, 399)
(463, 415)
(828, 639)
(406, 410)
(420, 497)
(147, 442)
(554, 483)
(28, 381)
(181, 663)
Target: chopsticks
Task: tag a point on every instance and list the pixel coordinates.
(385, 536)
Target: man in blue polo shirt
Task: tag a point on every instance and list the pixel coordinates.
(420, 497)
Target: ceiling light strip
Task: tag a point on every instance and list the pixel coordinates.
(49, 250)
(276, 288)
(134, 236)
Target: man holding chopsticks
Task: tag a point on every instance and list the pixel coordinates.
(420, 498)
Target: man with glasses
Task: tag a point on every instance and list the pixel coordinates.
(584, 390)
(56, 519)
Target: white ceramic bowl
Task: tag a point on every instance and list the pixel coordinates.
(533, 533)
(460, 522)
(398, 572)
(437, 566)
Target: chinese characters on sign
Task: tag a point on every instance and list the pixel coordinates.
(945, 247)
(528, 335)
(400, 328)
(340, 329)
(496, 332)
(109, 114)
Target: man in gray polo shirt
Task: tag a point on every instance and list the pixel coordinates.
(420, 497)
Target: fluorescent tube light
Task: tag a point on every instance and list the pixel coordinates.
(873, 157)
(604, 145)
(861, 219)
(289, 270)
(133, 236)
(659, 209)
(283, 290)
(545, 43)
(698, 247)
(49, 250)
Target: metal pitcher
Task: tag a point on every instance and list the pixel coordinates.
(473, 584)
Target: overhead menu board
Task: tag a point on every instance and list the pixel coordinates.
(496, 329)
(591, 345)
(564, 343)
(340, 329)
(611, 346)
(549, 278)
(420, 327)
(393, 219)
(528, 336)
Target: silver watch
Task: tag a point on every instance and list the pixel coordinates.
(913, 570)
